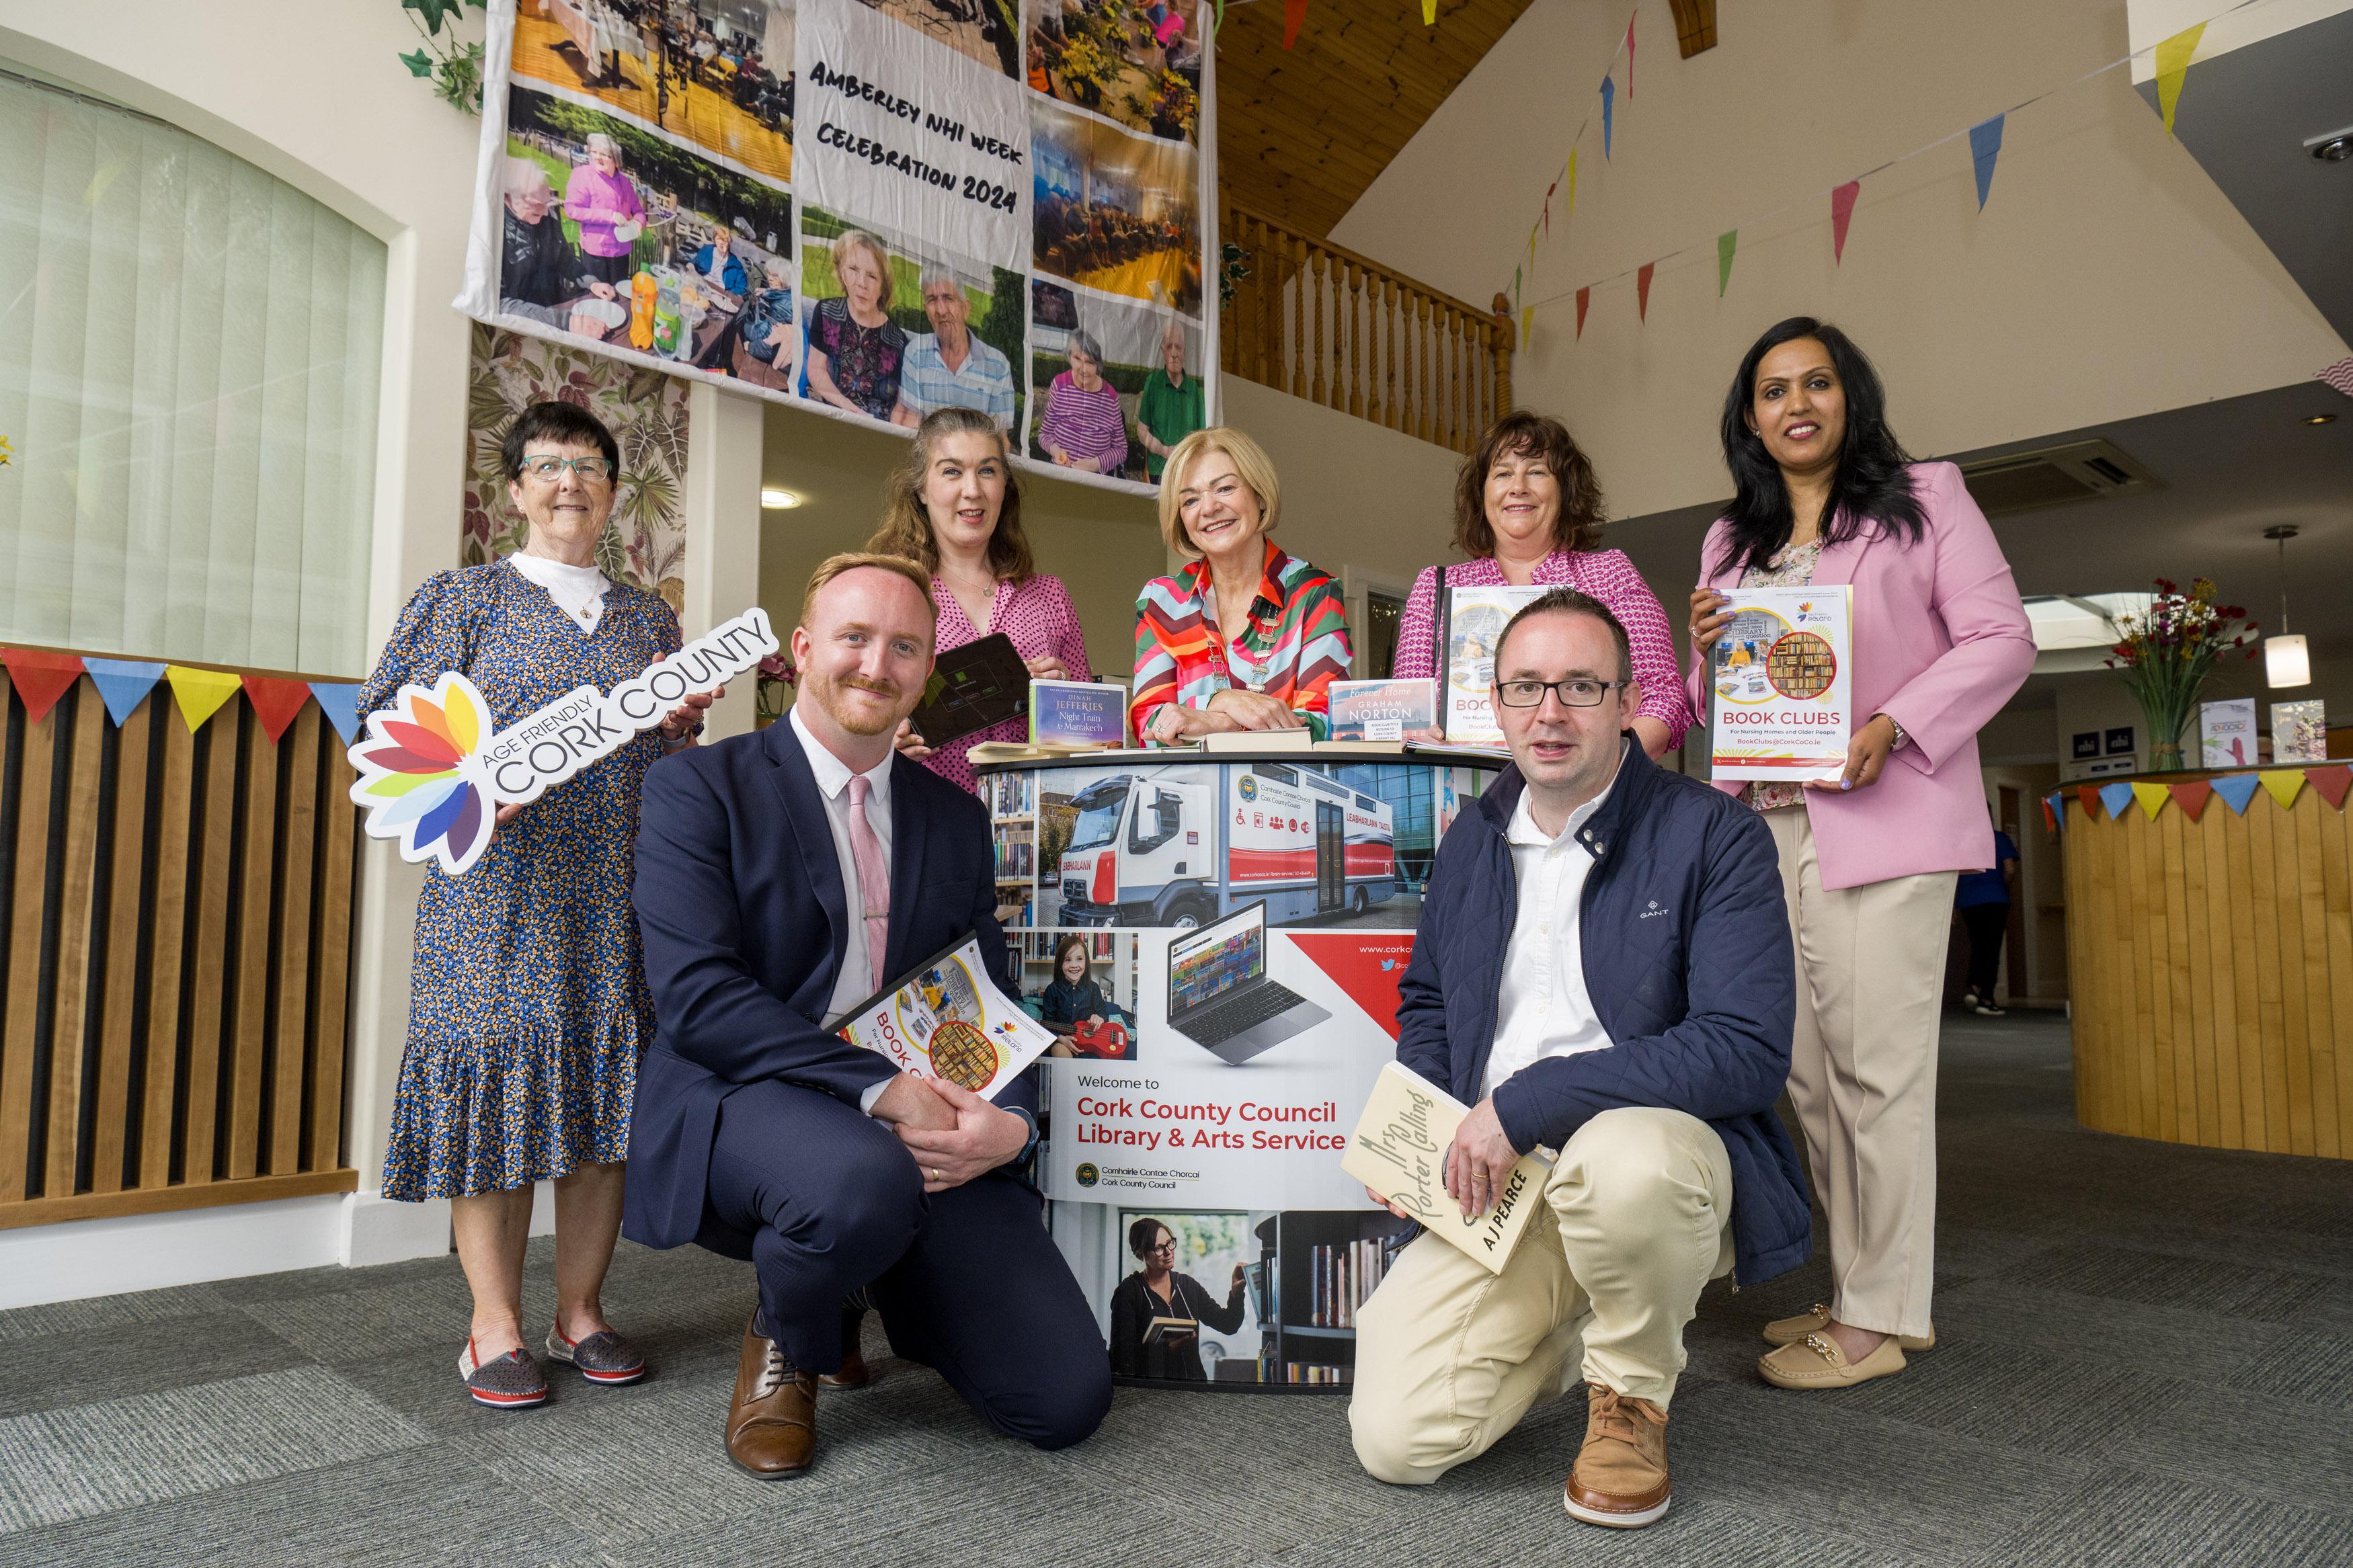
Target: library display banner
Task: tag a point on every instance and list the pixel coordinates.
(866, 208)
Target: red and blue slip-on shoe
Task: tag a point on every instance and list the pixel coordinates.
(602, 1357)
(510, 1382)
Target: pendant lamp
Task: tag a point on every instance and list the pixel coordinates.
(2287, 661)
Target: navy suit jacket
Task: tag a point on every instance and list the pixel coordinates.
(739, 898)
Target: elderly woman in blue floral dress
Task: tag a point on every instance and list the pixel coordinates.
(528, 1000)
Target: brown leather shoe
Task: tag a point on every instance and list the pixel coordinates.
(853, 1372)
(771, 1423)
(1620, 1476)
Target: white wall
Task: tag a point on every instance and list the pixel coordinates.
(2106, 277)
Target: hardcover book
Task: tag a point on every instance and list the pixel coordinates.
(1078, 713)
(1399, 1149)
(975, 685)
(1384, 709)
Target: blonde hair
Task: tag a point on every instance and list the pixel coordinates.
(906, 526)
(833, 566)
(1250, 462)
(851, 239)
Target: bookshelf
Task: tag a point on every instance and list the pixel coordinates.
(1315, 1269)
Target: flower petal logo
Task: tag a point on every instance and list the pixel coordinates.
(419, 778)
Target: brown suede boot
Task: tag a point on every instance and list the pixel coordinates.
(1621, 1476)
(771, 1422)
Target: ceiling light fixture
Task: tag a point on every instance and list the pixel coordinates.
(2333, 148)
(2321, 419)
(772, 500)
(2287, 661)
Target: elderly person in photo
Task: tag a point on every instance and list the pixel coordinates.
(951, 368)
(1172, 404)
(528, 1007)
(1084, 427)
(604, 202)
(720, 265)
(539, 271)
(855, 349)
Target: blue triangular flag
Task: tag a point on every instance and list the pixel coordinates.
(339, 702)
(2056, 803)
(2238, 789)
(2115, 797)
(124, 683)
(1608, 95)
(1985, 146)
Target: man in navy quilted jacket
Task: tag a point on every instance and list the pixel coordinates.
(1603, 969)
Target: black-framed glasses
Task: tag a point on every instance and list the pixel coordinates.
(1168, 1246)
(1575, 692)
(549, 471)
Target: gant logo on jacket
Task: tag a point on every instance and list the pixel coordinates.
(1653, 912)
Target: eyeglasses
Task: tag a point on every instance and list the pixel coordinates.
(1573, 693)
(550, 470)
(1168, 1246)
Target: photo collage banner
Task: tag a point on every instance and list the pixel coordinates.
(871, 208)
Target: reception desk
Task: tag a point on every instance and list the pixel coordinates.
(2211, 958)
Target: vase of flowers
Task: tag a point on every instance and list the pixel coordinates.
(774, 693)
(2165, 654)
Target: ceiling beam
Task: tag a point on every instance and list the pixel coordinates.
(1694, 25)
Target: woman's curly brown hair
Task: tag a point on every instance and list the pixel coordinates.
(1521, 433)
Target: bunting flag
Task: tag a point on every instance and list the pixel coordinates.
(2115, 797)
(1842, 212)
(1293, 13)
(275, 702)
(2332, 782)
(2054, 811)
(1608, 94)
(339, 702)
(2152, 799)
(1629, 53)
(1584, 298)
(1985, 146)
(2172, 65)
(2090, 796)
(124, 683)
(1572, 182)
(2236, 791)
(1726, 243)
(40, 678)
(2283, 784)
(2191, 797)
(1429, 12)
(1527, 326)
(200, 693)
(1642, 289)
(1547, 206)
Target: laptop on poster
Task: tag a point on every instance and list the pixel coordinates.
(1220, 997)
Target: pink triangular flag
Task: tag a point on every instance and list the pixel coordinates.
(1584, 298)
(275, 702)
(1629, 55)
(1642, 289)
(1842, 210)
(2193, 796)
(40, 678)
(2331, 783)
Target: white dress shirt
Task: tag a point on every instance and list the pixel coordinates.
(833, 776)
(579, 591)
(1544, 1009)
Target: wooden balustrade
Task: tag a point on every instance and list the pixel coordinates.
(1325, 324)
(176, 922)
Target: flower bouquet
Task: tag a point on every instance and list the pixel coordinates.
(2165, 654)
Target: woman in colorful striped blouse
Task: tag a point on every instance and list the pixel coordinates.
(1527, 511)
(1246, 637)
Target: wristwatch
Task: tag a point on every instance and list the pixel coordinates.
(1901, 740)
(692, 732)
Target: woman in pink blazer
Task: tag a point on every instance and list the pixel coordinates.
(1825, 495)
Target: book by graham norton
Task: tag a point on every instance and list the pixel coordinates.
(1384, 709)
(1078, 713)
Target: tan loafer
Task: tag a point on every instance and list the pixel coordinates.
(1790, 1330)
(1816, 1361)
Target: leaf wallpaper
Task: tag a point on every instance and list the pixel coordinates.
(646, 411)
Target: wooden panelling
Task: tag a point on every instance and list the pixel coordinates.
(1694, 25)
(177, 936)
(2214, 974)
(1327, 324)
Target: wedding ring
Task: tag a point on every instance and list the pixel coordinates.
(936, 1174)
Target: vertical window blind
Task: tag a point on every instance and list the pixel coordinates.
(189, 355)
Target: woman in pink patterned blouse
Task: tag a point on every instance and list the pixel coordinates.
(1528, 510)
(954, 509)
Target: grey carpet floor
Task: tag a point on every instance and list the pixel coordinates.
(2147, 1357)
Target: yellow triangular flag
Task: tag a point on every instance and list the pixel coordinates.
(1528, 331)
(1572, 182)
(1429, 13)
(2285, 784)
(2152, 799)
(2172, 65)
(200, 693)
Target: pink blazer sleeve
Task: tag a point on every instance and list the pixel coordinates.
(1649, 640)
(1417, 646)
(1694, 677)
(1974, 599)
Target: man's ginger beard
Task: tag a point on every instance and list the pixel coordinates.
(828, 697)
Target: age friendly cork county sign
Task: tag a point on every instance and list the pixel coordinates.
(1782, 685)
(433, 774)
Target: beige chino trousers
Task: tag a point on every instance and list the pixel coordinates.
(1863, 1073)
(1449, 1356)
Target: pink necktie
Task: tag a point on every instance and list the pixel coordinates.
(873, 878)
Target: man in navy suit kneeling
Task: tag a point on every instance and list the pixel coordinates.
(782, 878)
